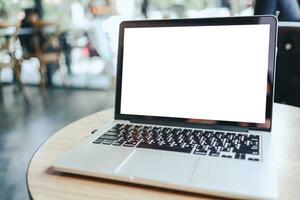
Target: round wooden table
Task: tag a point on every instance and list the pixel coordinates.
(44, 183)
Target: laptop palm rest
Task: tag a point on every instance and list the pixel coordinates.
(158, 165)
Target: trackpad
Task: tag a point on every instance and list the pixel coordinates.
(158, 166)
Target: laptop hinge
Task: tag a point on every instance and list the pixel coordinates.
(189, 125)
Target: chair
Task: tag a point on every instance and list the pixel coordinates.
(43, 56)
(8, 50)
(287, 83)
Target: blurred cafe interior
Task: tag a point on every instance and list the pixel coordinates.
(58, 64)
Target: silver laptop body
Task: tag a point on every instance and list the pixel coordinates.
(193, 109)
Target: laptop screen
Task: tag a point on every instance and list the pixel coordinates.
(196, 72)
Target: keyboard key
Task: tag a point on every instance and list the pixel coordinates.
(99, 141)
(166, 148)
(111, 137)
(117, 143)
(108, 142)
(128, 145)
(200, 152)
(243, 156)
(214, 153)
(113, 132)
(253, 159)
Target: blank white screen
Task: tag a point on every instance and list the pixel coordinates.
(199, 72)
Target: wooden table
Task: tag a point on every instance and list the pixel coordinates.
(43, 183)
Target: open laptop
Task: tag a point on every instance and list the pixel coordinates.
(193, 109)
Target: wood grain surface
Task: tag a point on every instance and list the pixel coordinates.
(44, 184)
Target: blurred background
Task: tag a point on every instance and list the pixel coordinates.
(58, 64)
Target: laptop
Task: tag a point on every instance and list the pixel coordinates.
(193, 109)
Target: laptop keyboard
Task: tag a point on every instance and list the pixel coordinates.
(195, 141)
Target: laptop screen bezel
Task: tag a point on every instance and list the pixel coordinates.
(270, 20)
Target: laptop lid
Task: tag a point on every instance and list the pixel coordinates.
(209, 71)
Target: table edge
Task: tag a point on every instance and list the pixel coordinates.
(45, 141)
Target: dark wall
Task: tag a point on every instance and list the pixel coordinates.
(287, 86)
